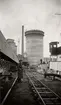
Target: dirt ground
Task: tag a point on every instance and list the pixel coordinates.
(21, 94)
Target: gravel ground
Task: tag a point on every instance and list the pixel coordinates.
(21, 94)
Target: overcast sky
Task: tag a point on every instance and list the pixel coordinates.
(34, 14)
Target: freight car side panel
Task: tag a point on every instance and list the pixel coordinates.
(59, 65)
(6, 49)
(55, 65)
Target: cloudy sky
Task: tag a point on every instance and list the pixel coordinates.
(34, 14)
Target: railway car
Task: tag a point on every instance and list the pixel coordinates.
(55, 58)
(55, 65)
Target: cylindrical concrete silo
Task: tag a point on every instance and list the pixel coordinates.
(34, 46)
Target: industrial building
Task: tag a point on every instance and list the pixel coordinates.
(34, 46)
(13, 45)
(6, 49)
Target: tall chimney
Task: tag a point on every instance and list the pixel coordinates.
(22, 40)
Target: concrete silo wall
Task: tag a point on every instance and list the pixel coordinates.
(34, 47)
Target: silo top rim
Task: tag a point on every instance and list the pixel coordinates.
(34, 32)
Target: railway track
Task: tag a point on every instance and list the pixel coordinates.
(43, 94)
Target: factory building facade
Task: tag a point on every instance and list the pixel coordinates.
(34, 46)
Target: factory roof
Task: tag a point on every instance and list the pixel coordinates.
(39, 32)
